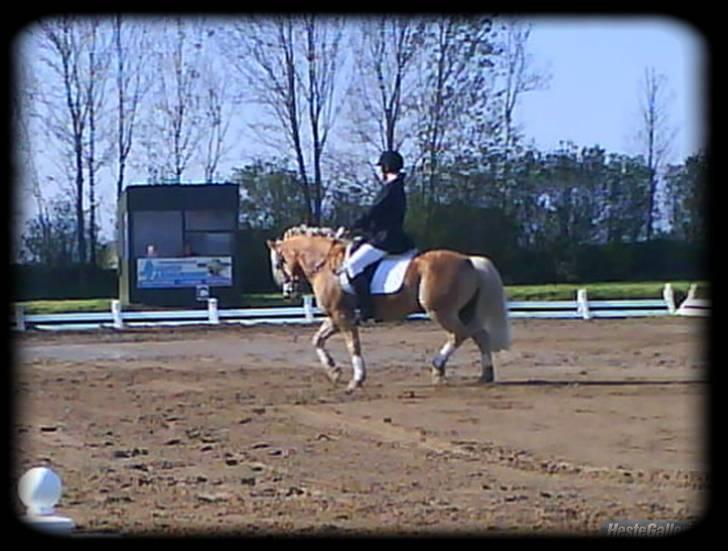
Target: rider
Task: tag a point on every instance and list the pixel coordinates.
(381, 228)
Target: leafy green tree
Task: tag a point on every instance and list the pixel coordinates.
(626, 194)
(50, 237)
(271, 196)
(453, 97)
(687, 189)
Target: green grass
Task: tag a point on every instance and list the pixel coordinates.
(265, 300)
(562, 291)
(602, 291)
(64, 306)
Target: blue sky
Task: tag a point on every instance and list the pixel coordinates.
(596, 65)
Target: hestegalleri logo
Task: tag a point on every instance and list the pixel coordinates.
(654, 528)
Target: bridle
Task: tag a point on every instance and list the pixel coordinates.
(292, 281)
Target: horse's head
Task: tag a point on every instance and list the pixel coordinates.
(298, 255)
(286, 268)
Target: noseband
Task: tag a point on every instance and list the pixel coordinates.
(294, 280)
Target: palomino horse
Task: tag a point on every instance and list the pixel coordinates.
(464, 294)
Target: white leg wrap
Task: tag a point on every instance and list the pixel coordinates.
(324, 357)
(444, 355)
(357, 363)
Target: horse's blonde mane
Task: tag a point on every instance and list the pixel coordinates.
(309, 231)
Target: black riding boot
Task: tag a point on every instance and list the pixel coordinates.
(363, 296)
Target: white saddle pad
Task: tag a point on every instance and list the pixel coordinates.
(389, 275)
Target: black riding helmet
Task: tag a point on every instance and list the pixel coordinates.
(391, 161)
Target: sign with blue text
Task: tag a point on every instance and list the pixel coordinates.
(174, 273)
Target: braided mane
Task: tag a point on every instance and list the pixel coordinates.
(309, 231)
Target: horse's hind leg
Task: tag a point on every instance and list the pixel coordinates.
(440, 360)
(482, 339)
(458, 334)
(326, 330)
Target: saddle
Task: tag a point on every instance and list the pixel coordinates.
(385, 277)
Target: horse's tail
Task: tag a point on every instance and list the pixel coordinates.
(492, 306)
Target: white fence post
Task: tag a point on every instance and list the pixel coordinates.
(582, 305)
(308, 307)
(693, 306)
(19, 317)
(692, 291)
(118, 322)
(212, 311)
(669, 295)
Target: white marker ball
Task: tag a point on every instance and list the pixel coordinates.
(39, 489)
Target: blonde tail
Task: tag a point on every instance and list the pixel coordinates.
(492, 307)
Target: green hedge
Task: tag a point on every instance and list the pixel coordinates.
(35, 282)
(658, 260)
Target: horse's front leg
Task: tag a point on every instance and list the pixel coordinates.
(351, 334)
(326, 330)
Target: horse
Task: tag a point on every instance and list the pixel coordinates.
(463, 294)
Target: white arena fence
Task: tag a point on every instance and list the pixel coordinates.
(308, 313)
(693, 306)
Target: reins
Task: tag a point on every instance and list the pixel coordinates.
(317, 268)
(313, 232)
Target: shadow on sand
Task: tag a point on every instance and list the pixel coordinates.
(645, 382)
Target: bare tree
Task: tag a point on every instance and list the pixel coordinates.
(655, 134)
(265, 57)
(97, 51)
(456, 77)
(177, 99)
(322, 58)
(386, 55)
(62, 46)
(516, 75)
(131, 52)
(216, 118)
(289, 65)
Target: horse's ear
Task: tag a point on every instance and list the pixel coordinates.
(271, 244)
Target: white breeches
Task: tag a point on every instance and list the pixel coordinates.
(363, 257)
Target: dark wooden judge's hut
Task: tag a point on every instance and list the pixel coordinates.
(178, 245)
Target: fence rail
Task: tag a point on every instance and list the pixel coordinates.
(581, 308)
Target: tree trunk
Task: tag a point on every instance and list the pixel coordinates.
(80, 227)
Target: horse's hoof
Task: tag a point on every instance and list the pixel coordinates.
(487, 377)
(438, 379)
(334, 375)
(352, 386)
